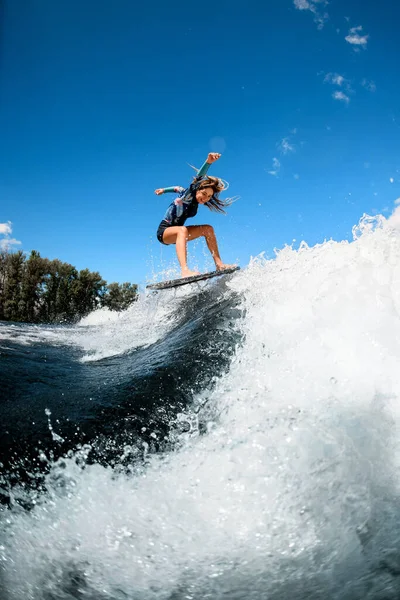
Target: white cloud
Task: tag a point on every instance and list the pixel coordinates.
(341, 96)
(341, 82)
(335, 79)
(302, 4)
(346, 85)
(312, 5)
(7, 242)
(320, 20)
(276, 165)
(391, 180)
(355, 38)
(285, 146)
(5, 228)
(369, 85)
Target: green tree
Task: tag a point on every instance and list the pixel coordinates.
(67, 275)
(87, 291)
(119, 297)
(13, 305)
(3, 277)
(33, 278)
(57, 291)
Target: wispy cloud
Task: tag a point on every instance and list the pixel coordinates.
(320, 18)
(285, 147)
(341, 96)
(7, 242)
(276, 166)
(335, 79)
(369, 85)
(341, 82)
(355, 38)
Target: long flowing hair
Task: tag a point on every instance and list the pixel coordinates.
(218, 185)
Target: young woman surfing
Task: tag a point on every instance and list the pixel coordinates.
(172, 230)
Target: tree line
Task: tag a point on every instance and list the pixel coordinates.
(38, 290)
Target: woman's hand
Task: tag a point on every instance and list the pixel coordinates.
(212, 157)
(159, 191)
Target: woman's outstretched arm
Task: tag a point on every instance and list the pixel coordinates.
(212, 157)
(177, 189)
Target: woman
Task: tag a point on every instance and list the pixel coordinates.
(203, 190)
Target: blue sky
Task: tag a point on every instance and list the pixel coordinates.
(103, 102)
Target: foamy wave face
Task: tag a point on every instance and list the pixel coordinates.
(104, 333)
(32, 334)
(292, 492)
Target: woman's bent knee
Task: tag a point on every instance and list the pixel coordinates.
(183, 231)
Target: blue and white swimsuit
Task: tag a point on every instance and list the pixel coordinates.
(184, 206)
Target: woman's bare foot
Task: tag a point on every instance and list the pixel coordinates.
(188, 273)
(222, 267)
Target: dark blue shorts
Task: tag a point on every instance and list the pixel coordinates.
(160, 231)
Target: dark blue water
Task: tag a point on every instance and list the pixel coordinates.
(53, 402)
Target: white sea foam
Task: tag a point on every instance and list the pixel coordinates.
(105, 333)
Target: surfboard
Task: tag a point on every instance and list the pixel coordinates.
(163, 285)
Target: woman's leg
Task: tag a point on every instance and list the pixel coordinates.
(196, 231)
(180, 235)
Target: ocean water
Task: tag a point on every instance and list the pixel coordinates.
(234, 440)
